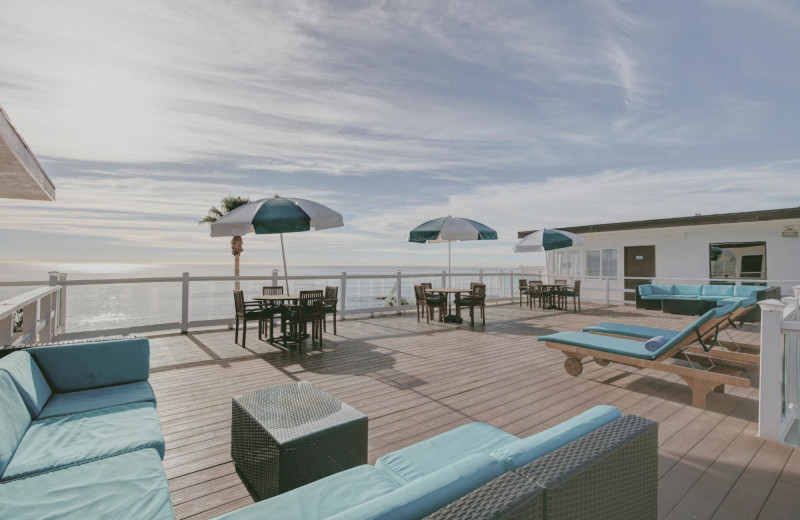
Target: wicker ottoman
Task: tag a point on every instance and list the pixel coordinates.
(686, 307)
(287, 436)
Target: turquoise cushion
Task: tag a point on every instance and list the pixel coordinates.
(689, 290)
(730, 301)
(322, 498)
(656, 296)
(523, 451)
(634, 331)
(130, 486)
(81, 366)
(662, 289)
(96, 398)
(64, 441)
(625, 347)
(722, 310)
(718, 290)
(748, 302)
(418, 460)
(748, 291)
(645, 290)
(30, 382)
(14, 419)
(712, 298)
(429, 493)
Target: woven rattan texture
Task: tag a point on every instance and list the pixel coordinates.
(323, 437)
(611, 472)
(508, 497)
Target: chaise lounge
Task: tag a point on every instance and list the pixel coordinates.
(652, 296)
(711, 374)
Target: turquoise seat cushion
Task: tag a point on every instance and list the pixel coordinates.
(96, 398)
(323, 498)
(662, 289)
(634, 331)
(423, 458)
(748, 291)
(329, 307)
(712, 298)
(656, 296)
(14, 419)
(523, 451)
(645, 290)
(730, 301)
(718, 290)
(29, 379)
(430, 493)
(80, 366)
(131, 486)
(625, 347)
(67, 440)
(688, 290)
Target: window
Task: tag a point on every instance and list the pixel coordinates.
(601, 262)
(738, 260)
(567, 263)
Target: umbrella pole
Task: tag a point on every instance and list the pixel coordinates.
(285, 274)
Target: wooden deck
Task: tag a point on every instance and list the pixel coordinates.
(416, 380)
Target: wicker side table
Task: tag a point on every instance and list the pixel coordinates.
(287, 436)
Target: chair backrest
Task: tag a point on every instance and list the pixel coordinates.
(473, 284)
(427, 285)
(272, 289)
(560, 281)
(577, 288)
(419, 293)
(478, 292)
(331, 292)
(238, 301)
(535, 283)
(310, 303)
(523, 283)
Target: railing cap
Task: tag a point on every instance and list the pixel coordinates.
(771, 305)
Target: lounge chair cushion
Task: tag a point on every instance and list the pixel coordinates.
(321, 499)
(30, 381)
(131, 486)
(429, 493)
(96, 398)
(423, 458)
(633, 331)
(688, 290)
(662, 289)
(81, 366)
(523, 451)
(64, 441)
(718, 290)
(14, 419)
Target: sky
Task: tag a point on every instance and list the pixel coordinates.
(517, 114)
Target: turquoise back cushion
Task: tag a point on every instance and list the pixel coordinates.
(14, 419)
(718, 290)
(29, 380)
(747, 291)
(662, 289)
(690, 330)
(523, 451)
(689, 290)
(645, 289)
(81, 366)
(426, 495)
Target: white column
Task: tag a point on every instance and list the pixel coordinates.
(185, 304)
(771, 366)
(343, 297)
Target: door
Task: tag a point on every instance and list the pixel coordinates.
(639, 261)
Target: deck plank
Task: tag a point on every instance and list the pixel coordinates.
(415, 380)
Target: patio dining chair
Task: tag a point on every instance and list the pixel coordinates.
(535, 293)
(247, 311)
(271, 309)
(329, 305)
(432, 302)
(477, 298)
(309, 309)
(523, 291)
(573, 292)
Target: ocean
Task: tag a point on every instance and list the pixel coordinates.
(110, 306)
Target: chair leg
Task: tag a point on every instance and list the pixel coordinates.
(236, 335)
(428, 315)
(324, 323)
(244, 332)
(483, 314)
(334, 323)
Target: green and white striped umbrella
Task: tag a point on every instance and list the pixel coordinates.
(547, 240)
(276, 215)
(449, 229)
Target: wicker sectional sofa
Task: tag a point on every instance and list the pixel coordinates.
(651, 296)
(79, 433)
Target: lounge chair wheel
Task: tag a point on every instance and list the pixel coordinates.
(602, 362)
(573, 366)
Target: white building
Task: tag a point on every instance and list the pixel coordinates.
(754, 247)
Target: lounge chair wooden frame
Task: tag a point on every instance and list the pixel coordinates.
(700, 381)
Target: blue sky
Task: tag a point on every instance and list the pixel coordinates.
(517, 114)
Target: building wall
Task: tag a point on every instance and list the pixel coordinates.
(682, 253)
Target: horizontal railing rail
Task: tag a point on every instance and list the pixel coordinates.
(33, 316)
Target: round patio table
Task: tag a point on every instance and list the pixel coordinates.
(445, 294)
(277, 299)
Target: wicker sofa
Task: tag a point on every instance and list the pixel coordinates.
(79, 433)
(595, 465)
(651, 296)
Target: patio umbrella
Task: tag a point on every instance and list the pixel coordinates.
(448, 229)
(547, 240)
(276, 215)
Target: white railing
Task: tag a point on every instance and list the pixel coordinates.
(779, 386)
(33, 316)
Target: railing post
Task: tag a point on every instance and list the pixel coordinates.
(771, 365)
(606, 296)
(51, 309)
(185, 304)
(480, 275)
(30, 320)
(7, 330)
(343, 297)
(444, 279)
(62, 303)
(274, 277)
(399, 291)
(796, 290)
